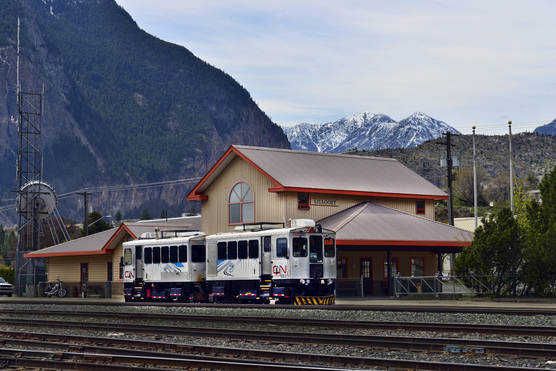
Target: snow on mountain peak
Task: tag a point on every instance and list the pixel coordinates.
(366, 131)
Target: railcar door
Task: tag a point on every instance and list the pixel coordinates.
(316, 257)
(266, 260)
(138, 263)
(280, 258)
(212, 258)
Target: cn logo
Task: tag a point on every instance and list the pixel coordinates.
(129, 274)
(280, 269)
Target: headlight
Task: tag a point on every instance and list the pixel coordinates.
(302, 281)
(322, 282)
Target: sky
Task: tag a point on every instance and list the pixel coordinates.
(468, 63)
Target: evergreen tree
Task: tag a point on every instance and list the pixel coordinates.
(495, 255)
(96, 223)
(146, 215)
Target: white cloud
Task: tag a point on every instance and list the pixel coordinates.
(471, 62)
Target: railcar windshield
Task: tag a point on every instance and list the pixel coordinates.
(315, 249)
(299, 249)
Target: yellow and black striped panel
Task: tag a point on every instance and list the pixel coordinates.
(315, 300)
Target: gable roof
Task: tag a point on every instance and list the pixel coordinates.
(315, 172)
(370, 224)
(104, 242)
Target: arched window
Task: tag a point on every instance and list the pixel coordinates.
(241, 204)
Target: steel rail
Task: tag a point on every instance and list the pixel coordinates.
(431, 344)
(28, 358)
(308, 322)
(400, 306)
(91, 361)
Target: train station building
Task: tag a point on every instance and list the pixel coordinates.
(382, 212)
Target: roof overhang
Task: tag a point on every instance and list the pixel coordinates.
(197, 194)
(356, 193)
(107, 249)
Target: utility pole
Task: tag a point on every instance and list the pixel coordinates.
(450, 176)
(475, 183)
(511, 171)
(86, 221)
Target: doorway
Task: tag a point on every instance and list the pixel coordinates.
(367, 275)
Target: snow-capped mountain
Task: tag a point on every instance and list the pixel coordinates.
(366, 131)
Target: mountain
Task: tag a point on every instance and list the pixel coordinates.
(121, 107)
(366, 131)
(547, 129)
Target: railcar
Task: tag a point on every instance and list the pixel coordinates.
(165, 266)
(262, 263)
(258, 263)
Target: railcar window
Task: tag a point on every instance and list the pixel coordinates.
(315, 249)
(127, 256)
(156, 254)
(222, 255)
(173, 254)
(165, 254)
(198, 253)
(266, 244)
(138, 250)
(254, 248)
(329, 247)
(232, 250)
(183, 253)
(282, 248)
(299, 249)
(148, 255)
(242, 249)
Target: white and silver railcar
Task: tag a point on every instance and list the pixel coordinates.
(261, 263)
(165, 266)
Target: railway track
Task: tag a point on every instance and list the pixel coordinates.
(399, 306)
(109, 334)
(301, 322)
(70, 349)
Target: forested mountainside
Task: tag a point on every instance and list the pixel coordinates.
(533, 155)
(121, 106)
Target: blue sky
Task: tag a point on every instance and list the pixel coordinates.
(462, 62)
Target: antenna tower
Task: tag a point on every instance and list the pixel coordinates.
(36, 200)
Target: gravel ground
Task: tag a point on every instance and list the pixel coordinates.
(465, 318)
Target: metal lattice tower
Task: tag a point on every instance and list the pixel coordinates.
(30, 205)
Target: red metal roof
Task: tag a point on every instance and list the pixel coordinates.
(314, 172)
(371, 224)
(104, 242)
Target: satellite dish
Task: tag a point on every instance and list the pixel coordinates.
(38, 196)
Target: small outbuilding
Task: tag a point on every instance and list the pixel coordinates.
(92, 264)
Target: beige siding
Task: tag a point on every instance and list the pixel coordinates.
(268, 206)
(67, 268)
(283, 206)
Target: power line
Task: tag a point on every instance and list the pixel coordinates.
(115, 188)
